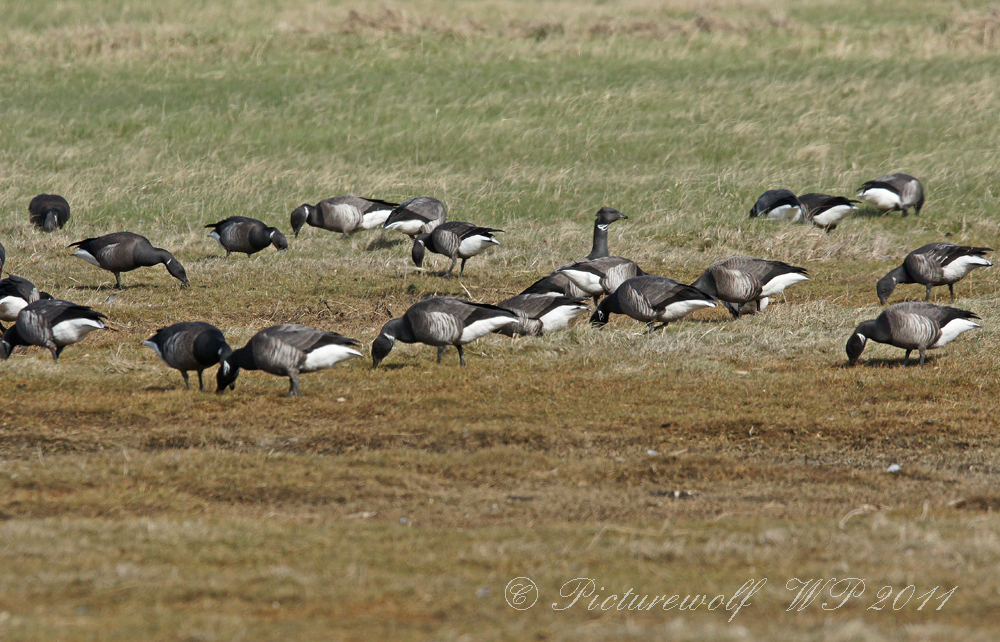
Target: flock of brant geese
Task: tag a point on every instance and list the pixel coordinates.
(743, 285)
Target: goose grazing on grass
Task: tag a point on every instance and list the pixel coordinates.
(246, 235)
(649, 299)
(934, 264)
(778, 205)
(893, 192)
(189, 345)
(825, 211)
(343, 214)
(52, 324)
(441, 322)
(541, 313)
(286, 351)
(745, 284)
(48, 211)
(456, 240)
(597, 277)
(911, 326)
(418, 215)
(123, 252)
(15, 293)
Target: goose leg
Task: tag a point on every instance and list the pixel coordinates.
(201, 383)
(906, 359)
(118, 280)
(461, 355)
(462, 271)
(928, 297)
(923, 353)
(453, 262)
(951, 290)
(187, 384)
(652, 329)
(55, 350)
(293, 389)
(440, 353)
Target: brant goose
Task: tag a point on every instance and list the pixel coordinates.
(123, 252)
(649, 298)
(52, 324)
(558, 283)
(456, 240)
(894, 192)
(441, 322)
(745, 284)
(286, 351)
(825, 211)
(15, 293)
(48, 211)
(418, 215)
(911, 326)
(778, 205)
(597, 277)
(540, 313)
(343, 214)
(189, 345)
(934, 264)
(3, 256)
(247, 235)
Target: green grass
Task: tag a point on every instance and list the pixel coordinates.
(398, 503)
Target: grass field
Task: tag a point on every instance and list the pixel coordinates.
(399, 503)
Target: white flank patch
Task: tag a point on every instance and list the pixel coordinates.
(473, 245)
(586, 281)
(785, 213)
(410, 227)
(327, 357)
(483, 327)
(961, 266)
(156, 349)
(374, 219)
(86, 256)
(560, 317)
(10, 306)
(74, 330)
(881, 198)
(953, 329)
(834, 214)
(683, 308)
(778, 284)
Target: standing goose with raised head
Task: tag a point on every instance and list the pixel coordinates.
(246, 235)
(189, 345)
(541, 313)
(556, 282)
(778, 205)
(343, 214)
(934, 264)
(287, 350)
(456, 240)
(52, 324)
(745, 284)
(418, 215)
(826, 211)
(15, 293)
(48, 211)
(649, 299)
(441, 322)
(597, 277)
(911, 326)
(893, 192)
(123, 252)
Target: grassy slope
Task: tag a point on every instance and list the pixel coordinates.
(398, 503)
